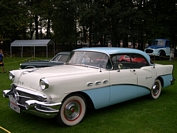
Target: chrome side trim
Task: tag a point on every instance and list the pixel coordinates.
(97, 82)
(89, 84)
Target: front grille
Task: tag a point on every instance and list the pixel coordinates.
(149, 51)
(22, 97)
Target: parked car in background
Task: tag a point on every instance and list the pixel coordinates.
(92, 77)
(159, 48)
(58, 59)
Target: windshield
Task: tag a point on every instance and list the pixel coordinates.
(60, 58)
(94, 59)
(159, 42)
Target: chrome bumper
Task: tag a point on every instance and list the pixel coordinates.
(35, 107)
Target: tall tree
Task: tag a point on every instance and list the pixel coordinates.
(64, 22)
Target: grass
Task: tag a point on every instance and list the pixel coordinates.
(141, 115)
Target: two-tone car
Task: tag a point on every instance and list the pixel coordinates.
(58, 59)
(92, 77)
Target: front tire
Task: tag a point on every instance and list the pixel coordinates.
(72, 110)
(156, 89)
(161, 55)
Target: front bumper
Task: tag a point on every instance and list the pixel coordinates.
(30, 102)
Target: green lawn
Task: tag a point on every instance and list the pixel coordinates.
(141, 115)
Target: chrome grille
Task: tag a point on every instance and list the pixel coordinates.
(149, 51)
(21, 97)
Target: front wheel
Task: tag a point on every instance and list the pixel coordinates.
(156, 89)
(72, 110)
(161, 55)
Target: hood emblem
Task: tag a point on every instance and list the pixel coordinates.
(21, 83)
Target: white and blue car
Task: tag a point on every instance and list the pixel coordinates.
(92, 77)
(159, 48)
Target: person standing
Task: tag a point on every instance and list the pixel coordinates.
(1, 61)
(172, 50)
(109, 44)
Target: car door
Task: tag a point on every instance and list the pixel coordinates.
(123, 79)
(145, 74)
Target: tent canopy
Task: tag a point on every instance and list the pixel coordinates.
(27, 43)
(31, 43)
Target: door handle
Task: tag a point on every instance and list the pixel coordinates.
(133, 70)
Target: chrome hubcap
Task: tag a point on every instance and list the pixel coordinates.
(72, 110)
(156, 89)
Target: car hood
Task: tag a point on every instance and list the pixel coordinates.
(36, 61)
(40, 63)
(30, 77)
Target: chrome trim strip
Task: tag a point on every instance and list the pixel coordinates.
(30, 92)
(33, 102)
(42, 106)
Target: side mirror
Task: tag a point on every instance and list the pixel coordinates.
(120, 66)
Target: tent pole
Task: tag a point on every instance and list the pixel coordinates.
(54, 49)
(46, 52)
(11, 51)
(22, 51)
(34, 51)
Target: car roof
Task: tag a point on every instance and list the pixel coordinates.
(114, 50)
(64, 52)
(109, 50)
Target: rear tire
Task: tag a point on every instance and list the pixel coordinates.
(72, 110)
(156, 89)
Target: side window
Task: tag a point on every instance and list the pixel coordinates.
(121, 61)
(138, 61)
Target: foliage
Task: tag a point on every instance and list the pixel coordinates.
(13, 20)
(90, 21)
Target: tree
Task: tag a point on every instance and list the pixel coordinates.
(89, 20)
(64, 22)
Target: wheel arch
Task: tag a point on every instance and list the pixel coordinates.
(161, 80)
(162, 51)
(88, 100)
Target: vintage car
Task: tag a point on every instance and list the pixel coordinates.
(58, 59)
(92, 77)
(159, 47)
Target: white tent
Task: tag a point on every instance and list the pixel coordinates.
(32, 43)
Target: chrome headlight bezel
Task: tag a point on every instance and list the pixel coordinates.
(44, 84)
(11, 75)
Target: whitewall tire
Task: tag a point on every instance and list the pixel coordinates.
(156, 89)
(72, 110)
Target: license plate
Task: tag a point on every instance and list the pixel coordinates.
(13, 104)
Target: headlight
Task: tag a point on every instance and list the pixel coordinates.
(11, 75)
(44, 84)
